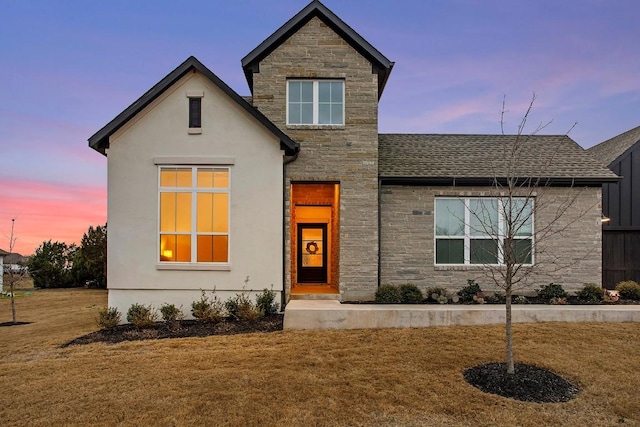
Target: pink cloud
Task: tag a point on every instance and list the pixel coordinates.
(45, 211)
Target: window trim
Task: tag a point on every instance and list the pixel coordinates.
(467, 237)
(316, 102)
(194, 264)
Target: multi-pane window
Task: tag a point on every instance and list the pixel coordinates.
(315, 102)
(475, 230)
(194, 214)
(195, 112)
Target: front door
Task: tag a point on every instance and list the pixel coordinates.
(312, 253)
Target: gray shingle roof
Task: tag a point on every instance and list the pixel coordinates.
(429, 156)
(613, 148)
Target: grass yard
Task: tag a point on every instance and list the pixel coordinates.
(404, 377)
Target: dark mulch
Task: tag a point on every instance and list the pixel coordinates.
(528, 383)
(14, 324)
(183, 329)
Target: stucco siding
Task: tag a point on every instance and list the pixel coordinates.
(229, 136)
(570, 255)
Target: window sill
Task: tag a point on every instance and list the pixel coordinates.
(317, 127)
(195, 131)
(192, 266)
(478, 267)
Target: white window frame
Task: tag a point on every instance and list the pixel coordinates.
(194, 190)
(466, 201)
(316, 102)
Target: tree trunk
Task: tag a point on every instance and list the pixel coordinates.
(13, 305)
(509, 334)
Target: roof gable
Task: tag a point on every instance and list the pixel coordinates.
(611, 149)
(100, 140)
(381, 65)
(478, 159)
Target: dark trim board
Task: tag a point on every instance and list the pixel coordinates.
(100, 140)
(491, 182)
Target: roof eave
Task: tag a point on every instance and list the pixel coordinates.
(491, 181)
(100, 140)
(250, 63)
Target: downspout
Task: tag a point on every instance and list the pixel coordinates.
(379, 230)
(283, 299)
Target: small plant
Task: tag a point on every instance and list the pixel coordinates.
(590, 293)
(479, 298)
(266, 302)
(558, 301)
(388, 294)
(171, 314)
(629, 290)
(470, 293)
(520, 299)
(208, 309)
(142, 316)
(410, 294)
(495, 298)
(550, 291)
(438, 295)
(108, 318)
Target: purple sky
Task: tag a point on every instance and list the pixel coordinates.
(69, 67)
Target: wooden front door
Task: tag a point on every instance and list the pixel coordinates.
(312, 253)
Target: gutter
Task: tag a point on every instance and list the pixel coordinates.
(379, 230)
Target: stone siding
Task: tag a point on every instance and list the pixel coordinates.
(346, 154)
(570, 256)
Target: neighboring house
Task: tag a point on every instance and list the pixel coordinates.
(3, 254)
(15, 262)
(621, 207)
(295, 189)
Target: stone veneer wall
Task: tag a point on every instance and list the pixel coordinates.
(346, 154)
(407, 242)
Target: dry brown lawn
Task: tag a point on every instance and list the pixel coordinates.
(408, 377)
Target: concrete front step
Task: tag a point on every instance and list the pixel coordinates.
(331, 314)
(315, 296)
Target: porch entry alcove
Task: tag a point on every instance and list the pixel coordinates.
(315, 236)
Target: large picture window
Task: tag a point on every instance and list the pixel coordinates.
(315, 102)
(473, 230)
(194, 214)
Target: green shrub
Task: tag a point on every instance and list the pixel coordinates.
(108, 318)
(551, 291)
(438, 295)
(266, 302)
(170, 313)
(629, 290)
(590, 293)
(410, 294)
(388, 294)
(520, 299)
(208, 309)
(142, 316)
(468, 293)
(495, 298)
(240, 307)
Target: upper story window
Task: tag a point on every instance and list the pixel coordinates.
(315, 102)
(472, 230)
(195, 111)
(194, 214)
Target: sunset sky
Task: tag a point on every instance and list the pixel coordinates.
(68, 67)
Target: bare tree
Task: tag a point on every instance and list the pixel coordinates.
(504, 223)
(14, 275)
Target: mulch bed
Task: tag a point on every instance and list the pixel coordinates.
(182, 329)
(14, 324)
(528, 383)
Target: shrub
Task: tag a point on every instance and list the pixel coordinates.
(558, 301)
(208, 309)
(551, 291)
(240, 307)
(629, 290)
(438, 295)
(142, 316)
(266, 302)
(388, 294)
(520, 299)
(108, 318)
(591, 293)
(410, 294)
(470, 291)
(495, 298)
(170, 313)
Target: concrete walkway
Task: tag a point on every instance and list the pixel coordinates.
(325, 314)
